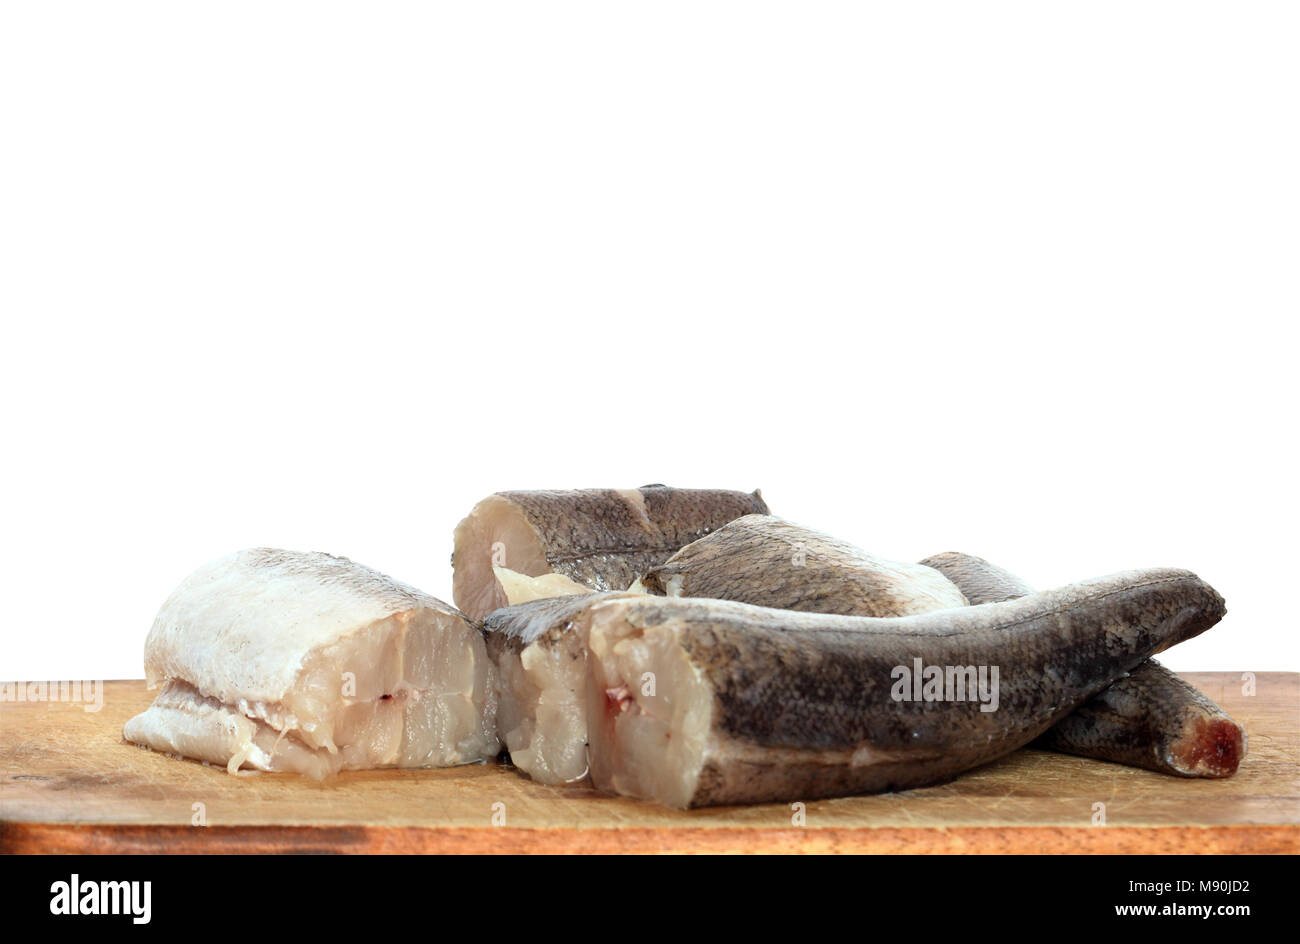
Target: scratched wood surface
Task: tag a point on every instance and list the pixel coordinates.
(69, 784)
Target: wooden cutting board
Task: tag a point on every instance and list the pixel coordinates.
(68, 783)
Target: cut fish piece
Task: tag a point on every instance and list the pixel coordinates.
(766, 561)
(701, 702)
(280, 660)
(539, 649)
(602, 539)
(1151, 718)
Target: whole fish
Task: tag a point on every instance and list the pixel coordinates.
(1152, 718)
(600, 539)
(282, 660)
(696, 702)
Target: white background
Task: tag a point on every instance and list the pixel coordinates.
(1017, 279)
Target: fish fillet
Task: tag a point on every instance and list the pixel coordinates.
(539, 649)
(703, 702)
(280, 660)
(766, 561)
(1152, 718)
(602, 539)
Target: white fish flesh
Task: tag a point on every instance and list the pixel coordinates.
(539, 648)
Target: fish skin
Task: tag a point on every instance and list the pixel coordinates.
(753, 560)
(600, 538)
(979, 580)
(1153, 718)
(802, 704)
(1156, 720)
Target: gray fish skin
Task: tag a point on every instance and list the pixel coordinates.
(767, 561)
(980, 581)
(1156, 720)
(1152, 718)
(757, 705)
(600, 538)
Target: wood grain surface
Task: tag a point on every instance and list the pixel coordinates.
(68, 783)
